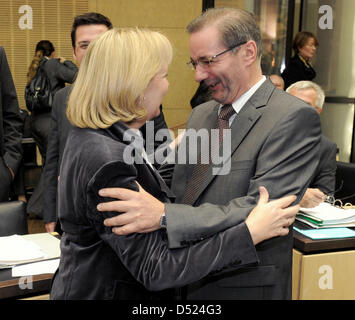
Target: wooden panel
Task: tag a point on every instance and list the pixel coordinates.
(328, 276)
(11, 289)
(40, 297)
(152, 13)
(296, 274)
(181, 78)
(51, 20)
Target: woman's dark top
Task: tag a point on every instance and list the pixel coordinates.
(297, 70)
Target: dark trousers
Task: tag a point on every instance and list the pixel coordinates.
(6, 179)
(40, 127)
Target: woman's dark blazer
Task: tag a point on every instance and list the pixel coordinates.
(297, 70)
(95, 263)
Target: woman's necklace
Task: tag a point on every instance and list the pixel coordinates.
(305, 62)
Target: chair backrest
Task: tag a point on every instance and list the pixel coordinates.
(345, 182)
(13, 218)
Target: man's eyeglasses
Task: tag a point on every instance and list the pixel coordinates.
(339, 202)
(205, 62)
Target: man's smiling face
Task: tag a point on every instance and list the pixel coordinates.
(224, 75)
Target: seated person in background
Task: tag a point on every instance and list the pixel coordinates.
(323, 182)
(277, 81)
(110, 100)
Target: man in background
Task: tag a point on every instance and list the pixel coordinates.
(10, 129)
(277, 81)
(323, 181)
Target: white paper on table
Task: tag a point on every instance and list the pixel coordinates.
(328, 213)
(15, 249)
(31, 269)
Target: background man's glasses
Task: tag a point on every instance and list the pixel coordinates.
(205, 62)
(339, 202)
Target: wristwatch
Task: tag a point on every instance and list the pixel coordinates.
(163, 221)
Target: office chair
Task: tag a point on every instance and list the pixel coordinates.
(345, 182)
(13, 218)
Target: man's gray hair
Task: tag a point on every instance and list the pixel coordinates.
(235, 26)
(306, 85)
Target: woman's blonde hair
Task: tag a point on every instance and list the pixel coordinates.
(113, 76)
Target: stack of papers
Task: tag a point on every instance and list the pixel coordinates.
(327, 216)
(34, 268)
(17, 250)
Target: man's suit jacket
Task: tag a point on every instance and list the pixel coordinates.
(60, 128)
(10, 125)
(324, 177)
(275, 144)
(97, 264)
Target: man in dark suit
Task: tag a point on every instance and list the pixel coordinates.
(274, 142)
(323, 181)
(10, 129)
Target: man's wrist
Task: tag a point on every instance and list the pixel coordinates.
(163, 221)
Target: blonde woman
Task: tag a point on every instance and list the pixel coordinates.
(121, 84)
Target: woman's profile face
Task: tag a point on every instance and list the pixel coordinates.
(155, 92)
(309, 49)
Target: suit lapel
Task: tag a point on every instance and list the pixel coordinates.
(164, 188)
(242, 124)
(117, 132)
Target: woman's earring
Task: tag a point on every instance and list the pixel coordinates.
(142, 100)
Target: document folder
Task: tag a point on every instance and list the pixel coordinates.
(327, 233)
(326, 215)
